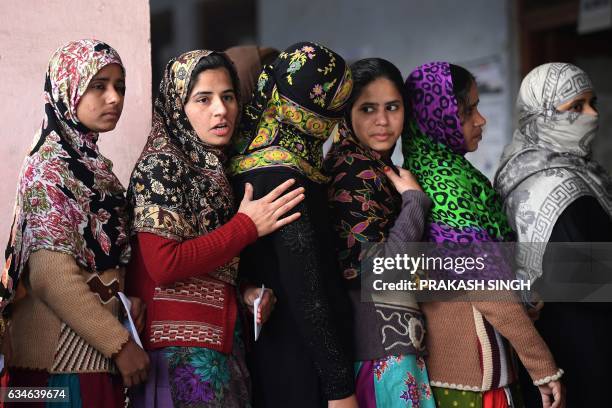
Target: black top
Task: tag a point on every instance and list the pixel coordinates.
(583, 221)
(302, 357)
(567, 268)
(577, 333)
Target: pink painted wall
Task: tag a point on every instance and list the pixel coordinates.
(29, 33)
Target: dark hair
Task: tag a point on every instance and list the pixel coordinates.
(216, 60)
(368, 70)
(462, 82)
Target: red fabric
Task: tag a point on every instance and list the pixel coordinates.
(101, 391)
(495, 399)
(168, 261)
(161, 262)
(23, 377)
(98, 390)
(4, 382)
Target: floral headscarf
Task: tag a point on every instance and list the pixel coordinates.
(178, 188)
(68, 198)
(367, 204)
(298, 101)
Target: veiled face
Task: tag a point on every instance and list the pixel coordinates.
(585, 103)
(212, 108)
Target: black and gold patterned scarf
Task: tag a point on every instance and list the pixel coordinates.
(178, 188)
(298, 101)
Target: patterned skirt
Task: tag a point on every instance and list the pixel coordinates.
(506, 397)
(196, 377)
(394, 381)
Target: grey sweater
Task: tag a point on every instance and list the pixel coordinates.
(391, 323)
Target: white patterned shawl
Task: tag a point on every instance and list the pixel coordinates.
(548, 164)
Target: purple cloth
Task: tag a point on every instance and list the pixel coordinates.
(435, 108)
(466, 218)
(156, 392)
(364, 385)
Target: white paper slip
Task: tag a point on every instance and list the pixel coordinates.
(256, 303)
(129, 323)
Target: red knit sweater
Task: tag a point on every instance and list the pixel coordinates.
(185, 307)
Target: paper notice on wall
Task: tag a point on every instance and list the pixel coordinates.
(594, 15)
(494, 105)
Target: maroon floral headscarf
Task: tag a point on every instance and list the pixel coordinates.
(68, 198)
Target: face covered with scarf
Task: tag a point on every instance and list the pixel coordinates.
(541, 123)
(465, 208)
(548, 164)
(68, 199)
(298, 101)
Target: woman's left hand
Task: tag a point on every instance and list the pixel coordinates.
(137, 310)
(553, 395)
(266, 306)
(534, 312)
(404, 182)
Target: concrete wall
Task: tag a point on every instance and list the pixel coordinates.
(409, 33)
(599, 72)
(30, 30)
(406, 32)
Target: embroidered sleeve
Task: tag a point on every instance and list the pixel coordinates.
(310, 306)
(306, 282)
(357, 218)
(364, 209)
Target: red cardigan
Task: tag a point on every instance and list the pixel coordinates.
(185, 307)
